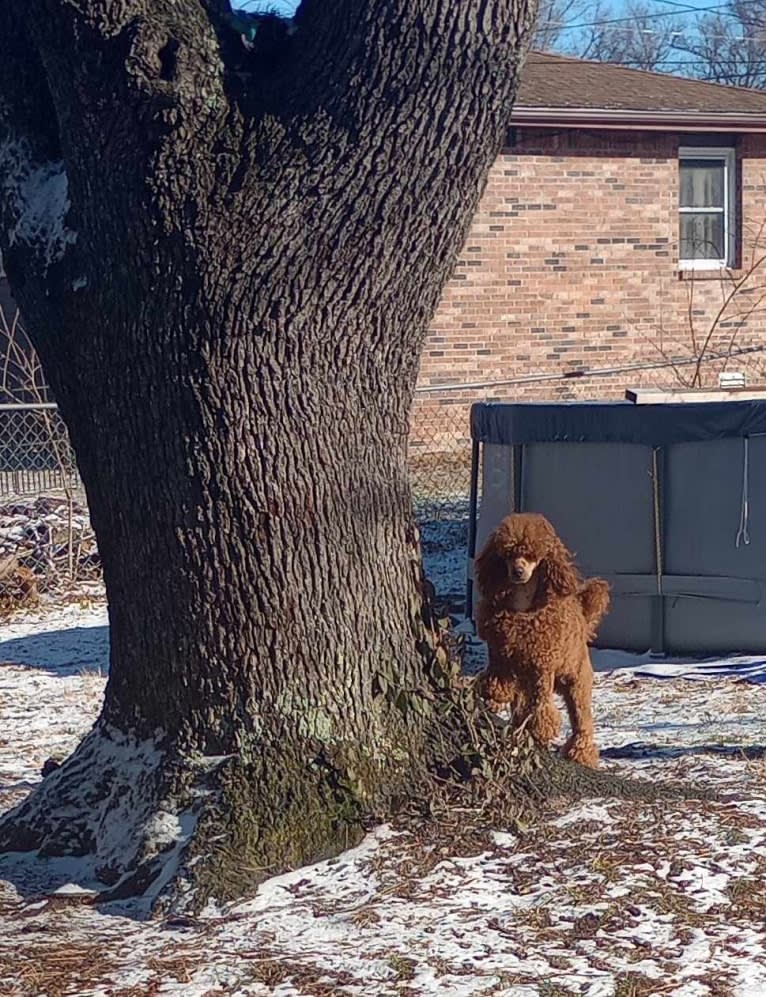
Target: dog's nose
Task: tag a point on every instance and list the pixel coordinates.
(517, 571)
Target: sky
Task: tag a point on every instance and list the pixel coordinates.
(285, 8)
(680, 8)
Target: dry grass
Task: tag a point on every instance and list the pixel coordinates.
(54, 970)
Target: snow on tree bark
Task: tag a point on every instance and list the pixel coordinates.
(233, 338)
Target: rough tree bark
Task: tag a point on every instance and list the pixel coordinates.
(228, 261)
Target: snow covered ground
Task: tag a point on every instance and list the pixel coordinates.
(606, 898)
(444, 540)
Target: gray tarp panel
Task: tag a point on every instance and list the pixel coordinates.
(600, 499)
(719, 584)
(615, 422)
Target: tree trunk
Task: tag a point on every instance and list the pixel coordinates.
(228, 262)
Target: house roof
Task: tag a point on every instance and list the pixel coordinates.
(557, 89)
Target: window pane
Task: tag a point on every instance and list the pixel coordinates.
(702, 237)
(702, 183)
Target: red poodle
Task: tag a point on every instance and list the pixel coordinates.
(538, 617)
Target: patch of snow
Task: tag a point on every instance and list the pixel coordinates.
(474, 654)
(443, 527)
(176, 832)
(118, 758)
(39, 197)
(72, 890)
(586, 812)
(118, 811)
(35, 875)
(79, 283)
(750, 667)
(503, 839)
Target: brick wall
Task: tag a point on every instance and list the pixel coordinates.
(571, 263)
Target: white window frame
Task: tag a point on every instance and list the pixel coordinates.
(729, 158)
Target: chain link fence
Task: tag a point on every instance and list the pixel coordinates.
(440, 474)
(47, 544)
(35, 454)
(46, 540)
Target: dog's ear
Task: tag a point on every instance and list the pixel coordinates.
(490, 570)
(558, 573)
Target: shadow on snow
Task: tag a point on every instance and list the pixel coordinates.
(62, 652)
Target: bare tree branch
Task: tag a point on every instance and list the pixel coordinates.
(729, 47)
(743, 295)
(635, 39)
(552, 19)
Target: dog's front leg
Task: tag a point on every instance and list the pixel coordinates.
(502, 692)
(581, 746)
(545, 720)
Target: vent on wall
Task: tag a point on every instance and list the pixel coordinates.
(729, 379)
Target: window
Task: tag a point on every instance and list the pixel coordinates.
(707, 187)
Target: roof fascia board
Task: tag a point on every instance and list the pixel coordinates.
(581, 117)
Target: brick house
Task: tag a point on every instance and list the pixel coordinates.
(624, 209)
(574, 269)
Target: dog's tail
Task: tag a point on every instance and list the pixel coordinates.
(594, 599)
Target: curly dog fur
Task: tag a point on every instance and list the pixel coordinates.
(538, 617)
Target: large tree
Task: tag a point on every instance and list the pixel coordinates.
(227, 257)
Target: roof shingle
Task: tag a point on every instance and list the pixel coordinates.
(560, 82)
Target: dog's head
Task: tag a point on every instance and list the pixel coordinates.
(523, 548)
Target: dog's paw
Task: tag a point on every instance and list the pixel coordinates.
(581, 750)
(545, 723)
(494, 691)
